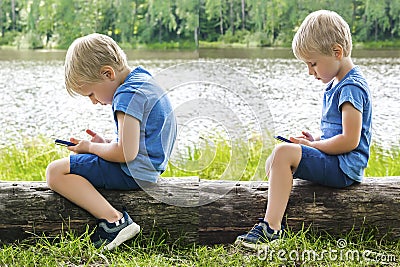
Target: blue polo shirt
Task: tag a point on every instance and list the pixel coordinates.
(352, 88)
(140, 97)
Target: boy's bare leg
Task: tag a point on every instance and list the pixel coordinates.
(279, 167)
(79, 190)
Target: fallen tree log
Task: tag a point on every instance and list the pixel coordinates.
(206, 212)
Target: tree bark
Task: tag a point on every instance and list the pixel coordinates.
(1, 19)
(243, 15)
(206, 212)
(221, 20)
(13, 16)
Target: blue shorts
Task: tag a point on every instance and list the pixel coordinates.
(321, 168)
(101, 173)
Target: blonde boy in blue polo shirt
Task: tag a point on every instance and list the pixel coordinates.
(337, 158)
(96, 67)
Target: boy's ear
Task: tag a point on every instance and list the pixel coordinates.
(338, 51)
(107, 72)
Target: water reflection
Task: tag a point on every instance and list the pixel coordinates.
(33, 99)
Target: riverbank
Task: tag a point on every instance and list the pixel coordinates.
(215, 50)
(189, 45)
(392, 44)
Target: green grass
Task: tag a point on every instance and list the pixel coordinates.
(28, 162)
(215, 159)
(301, 249)
(383, 162)
(218, 159)
(387, 44)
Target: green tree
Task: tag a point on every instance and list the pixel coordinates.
(74, 19)
(394, 14)
(124, 22)
(66, 25)
(265, 22)
(188, 14)
(377, 20)
(216, 10)
(33, 15)
(11, 18)
(46, 23)
(161, 17)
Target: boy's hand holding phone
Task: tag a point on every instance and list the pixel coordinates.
(305, 139)
(81, 146)
(75, 145)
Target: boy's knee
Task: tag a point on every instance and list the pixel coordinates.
(287, 152)
(281, 150)
(54, 171)
(50, 174)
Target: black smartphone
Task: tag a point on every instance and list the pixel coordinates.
(63, 143)
(283, 139)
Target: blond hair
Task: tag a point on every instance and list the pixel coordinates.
(319, 32)
(85, 58)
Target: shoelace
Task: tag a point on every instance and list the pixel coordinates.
(257, 230)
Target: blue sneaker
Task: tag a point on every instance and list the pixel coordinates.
(111, 235)
(260, 236)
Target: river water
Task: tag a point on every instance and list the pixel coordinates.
(211, 89)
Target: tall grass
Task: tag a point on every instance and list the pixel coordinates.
(28, 161)
(383, 162)
(218, 159)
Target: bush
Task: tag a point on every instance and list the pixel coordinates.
(29, 40)
(8, 38)
(241, 37)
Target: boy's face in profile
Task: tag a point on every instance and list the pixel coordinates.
(322, 67)
(101, 92)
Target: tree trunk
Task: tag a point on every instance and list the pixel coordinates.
(1, 19)
(13, 16)
(243, 15)
(231, 17)
(160, 32)
(221, 21)
(206, 212)
(196, 37)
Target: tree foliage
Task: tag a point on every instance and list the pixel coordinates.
(56, 23)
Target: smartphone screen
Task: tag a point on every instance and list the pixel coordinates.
(283, 139)
(64, 143)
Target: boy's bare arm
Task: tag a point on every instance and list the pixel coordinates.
(124, 150)
(346, 141)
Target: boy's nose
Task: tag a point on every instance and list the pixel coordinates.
(310, 70)
(94, 100)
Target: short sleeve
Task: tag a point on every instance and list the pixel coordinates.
(353, 94)
(131, 103)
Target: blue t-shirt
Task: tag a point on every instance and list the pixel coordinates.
(140, 97)
(352, 88)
